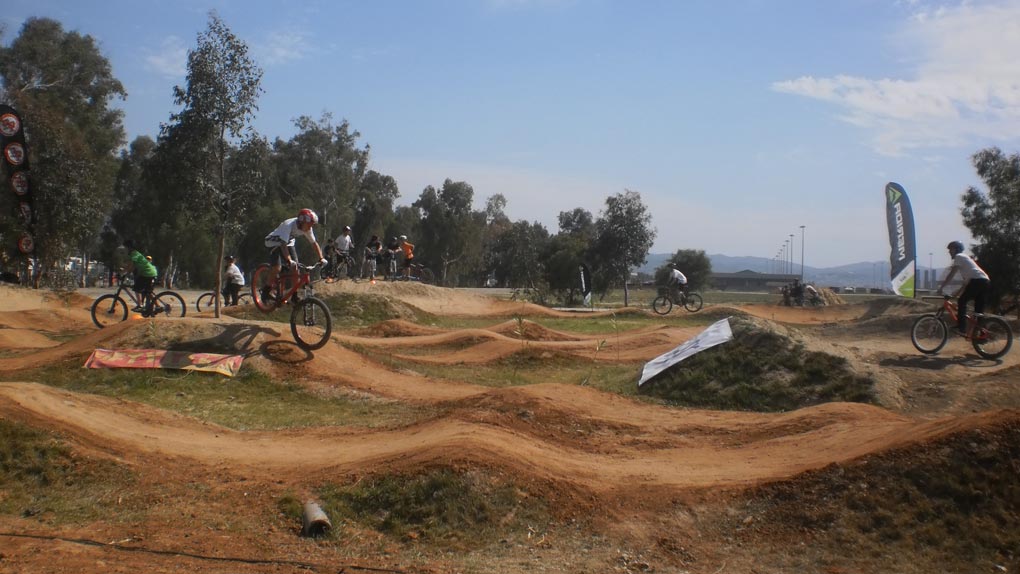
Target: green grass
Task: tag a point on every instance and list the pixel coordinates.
(759, 370)
(440, 507)
(41, 477)
(250, 400)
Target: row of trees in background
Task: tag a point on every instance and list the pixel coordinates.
(210, 184)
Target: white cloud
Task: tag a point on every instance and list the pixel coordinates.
(171, 60)
(965, 87)
(283, 46)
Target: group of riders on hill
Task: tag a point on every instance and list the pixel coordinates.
(282, 244)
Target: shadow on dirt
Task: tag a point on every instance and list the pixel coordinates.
(236, 339)
(938, 363)
(285, 352)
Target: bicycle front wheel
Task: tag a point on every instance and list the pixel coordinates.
(992, 337)
(693, 302)
(108, 309)
(929, 334)
(311, 323)
(169, 304)
(662, 305)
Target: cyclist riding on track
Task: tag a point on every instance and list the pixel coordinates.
(282, 242)
(677, 283)
(975, 284)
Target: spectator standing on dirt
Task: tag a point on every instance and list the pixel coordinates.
(282, 242)
(975, 284)
(144, 271)
(373, 250)
(676, 282)
(233, 281)
(392, 252)
(408, 248)
(329, 251)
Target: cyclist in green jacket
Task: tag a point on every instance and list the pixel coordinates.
(145, 273)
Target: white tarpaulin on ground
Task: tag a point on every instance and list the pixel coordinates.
(716, 333)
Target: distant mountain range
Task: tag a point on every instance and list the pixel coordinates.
(864, 274)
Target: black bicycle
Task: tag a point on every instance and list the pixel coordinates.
(206, 301)
(113, 307)
(341, 266)
(663, 304)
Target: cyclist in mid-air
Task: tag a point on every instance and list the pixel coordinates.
(975, 284)
(282, 243)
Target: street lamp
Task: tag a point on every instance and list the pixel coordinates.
(802, 253)
(791, 254)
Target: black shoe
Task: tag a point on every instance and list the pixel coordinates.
(265, 294)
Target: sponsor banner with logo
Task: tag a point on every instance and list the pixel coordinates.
(14, 150)
(902, 249)
(157, 359)
(716, 334)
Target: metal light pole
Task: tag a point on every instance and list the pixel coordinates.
(802, 253)
(931, 272)
(791, 254)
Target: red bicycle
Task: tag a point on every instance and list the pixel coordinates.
(990, 335)
(310, 320)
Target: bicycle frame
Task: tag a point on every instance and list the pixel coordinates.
(139, 299)
(303, 279)
(950, 307)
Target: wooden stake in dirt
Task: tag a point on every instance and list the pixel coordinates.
(315, 523)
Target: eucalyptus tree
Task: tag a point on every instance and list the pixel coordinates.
(693, 263)
(623, 237)
(449, 230)
(63, 87)
(213, 129)
(567, 250)
(994, 219)
(518, 254)
(322, 167)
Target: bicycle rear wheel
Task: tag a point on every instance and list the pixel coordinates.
(263, 289)
(311, 323)
(205, 302)
(929, 334)
(662, 305)
(168, 304)
(425, 276)
(108, 309)
(693, 302)
(992, 337)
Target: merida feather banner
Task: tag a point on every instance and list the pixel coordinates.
(902, 249)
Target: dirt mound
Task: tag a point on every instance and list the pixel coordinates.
(397, 328)
(531, 331)
(922, 494)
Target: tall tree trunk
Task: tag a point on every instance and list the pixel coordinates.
(219, 276)
(626, 291)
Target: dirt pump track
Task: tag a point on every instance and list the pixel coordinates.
(630, 456)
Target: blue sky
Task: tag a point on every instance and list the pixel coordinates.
(738, 121)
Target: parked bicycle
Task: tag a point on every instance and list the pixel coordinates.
(990, 335)
(310, 320)
(663, 304)
(340, 267)
(113, 307)
(418, 273)
(206, 301)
